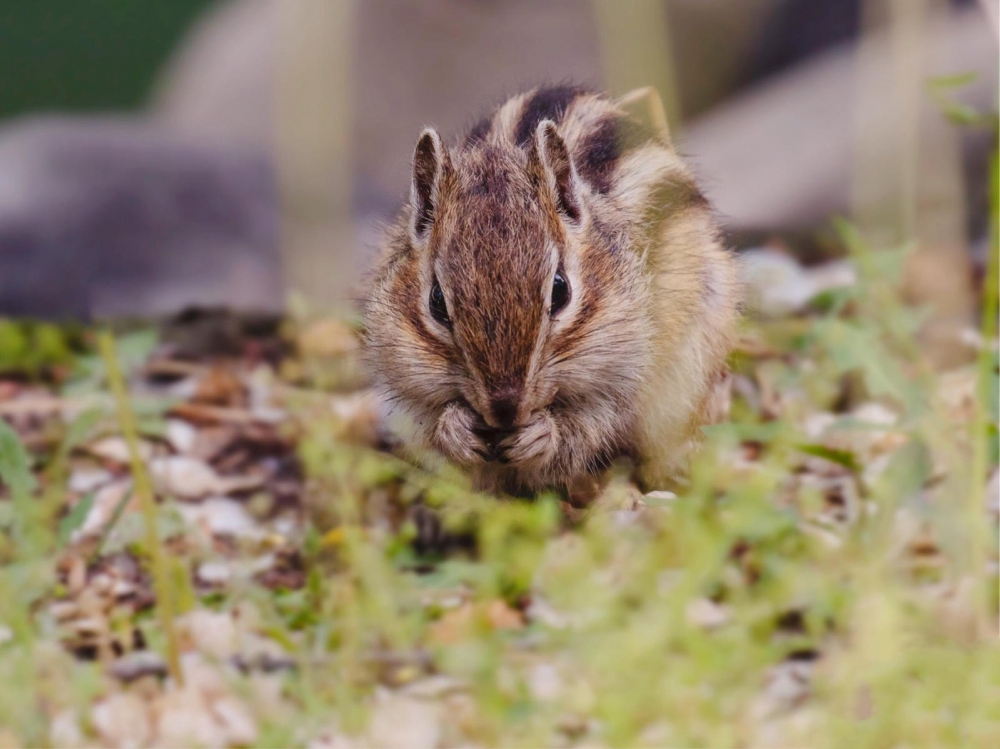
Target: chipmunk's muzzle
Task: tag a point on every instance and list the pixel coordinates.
(492, 437)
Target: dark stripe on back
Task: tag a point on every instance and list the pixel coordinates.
(545, 104)
(478, 132)
(599, 153)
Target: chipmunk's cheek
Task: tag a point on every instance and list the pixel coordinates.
(537, 442)
(454, 436)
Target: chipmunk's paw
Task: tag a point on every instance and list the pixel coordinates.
(457, 438)
(537, 442)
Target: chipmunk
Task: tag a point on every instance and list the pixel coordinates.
(554, 296)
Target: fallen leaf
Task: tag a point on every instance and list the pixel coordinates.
(220, 387)
(222, 516)
(116, 450)
(186, 477)
(502, 616)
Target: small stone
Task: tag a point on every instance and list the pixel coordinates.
(704, 613)
(659, 497)
(544, 682)
(84, 480)
(185, 719)
(222, 516)
(121, 588)
(236, 720)
(64, 731)
(875, 413)
(214, 573)
(788, 685)
(777, 284)
(181, 435)
(137, 664)
(816, 424)
(212, 633)
(121, 720)
(203, 674)
(404, 723)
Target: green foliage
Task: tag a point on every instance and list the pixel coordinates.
(15, 463)
(941, 89)
(90, 373)
(666, 627)
(73, 519)
(31, 347)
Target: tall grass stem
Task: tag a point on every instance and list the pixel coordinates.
(144, 490)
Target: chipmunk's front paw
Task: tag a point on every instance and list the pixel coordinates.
(537, 442)
(455, 436)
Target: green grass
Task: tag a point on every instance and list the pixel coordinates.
(859, 556)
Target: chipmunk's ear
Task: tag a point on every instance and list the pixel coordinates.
(430, 160)
(646, 107)
(556, 166)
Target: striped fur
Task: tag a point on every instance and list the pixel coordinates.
(557, 180)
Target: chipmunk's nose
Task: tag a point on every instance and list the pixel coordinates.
(504, 407)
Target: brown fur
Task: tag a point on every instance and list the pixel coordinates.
(557, 180)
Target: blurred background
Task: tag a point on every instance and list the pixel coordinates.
(157, 156)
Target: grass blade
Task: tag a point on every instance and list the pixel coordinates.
(144, 489)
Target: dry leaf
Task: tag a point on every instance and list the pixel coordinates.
(220, 387)
(115, 449)
(222, 517)
(186, 477)
(502, 616)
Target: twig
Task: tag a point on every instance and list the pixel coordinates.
(144, 490)
(203, 412)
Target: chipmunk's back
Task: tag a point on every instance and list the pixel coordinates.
(611, 148)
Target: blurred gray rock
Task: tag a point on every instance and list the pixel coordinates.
(103, 217)
(146, 216)
(776, 155)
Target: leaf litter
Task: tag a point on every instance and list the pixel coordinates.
(810, 583)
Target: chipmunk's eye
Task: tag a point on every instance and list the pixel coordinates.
(560, 293)
(439, 310)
